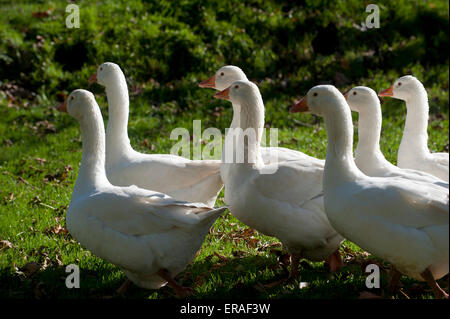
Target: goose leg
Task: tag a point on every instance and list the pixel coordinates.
(123, 288)
(394, 280)
(182, 292)
(284, 261)
(438, 292)
(335, 261)
(295, 262)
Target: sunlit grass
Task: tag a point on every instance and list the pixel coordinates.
(40, 149)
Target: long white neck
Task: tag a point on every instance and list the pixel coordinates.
(415, 135)
(117, 141)
(340, 166)
(91, 174)
(250, 119)
(369, 130)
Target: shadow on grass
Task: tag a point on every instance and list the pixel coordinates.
(256, 277)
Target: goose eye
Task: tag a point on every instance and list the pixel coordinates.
(221, 74)
(315, 94)
(71, 98)
(399, 83)
(101, 69)
(354, 93)
(236, 86)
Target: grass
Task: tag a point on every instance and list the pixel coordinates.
(165, 50)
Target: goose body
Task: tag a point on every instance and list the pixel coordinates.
(282, 199)
(413, 151)
(368, 156)
(176, 176)
(221, 80)
(402, 221)
(141, 231)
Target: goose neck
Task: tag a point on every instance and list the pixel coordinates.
(117, 140)
(243, 139)
(91, 174)
(415, 132)
(339, 165)
(369, 130)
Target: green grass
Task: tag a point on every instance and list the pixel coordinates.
(165, 50)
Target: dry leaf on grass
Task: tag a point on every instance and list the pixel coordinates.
(247, 233)
(269, 246)
(253, 242)
(58, 229)
(41, 161)
(4, 244)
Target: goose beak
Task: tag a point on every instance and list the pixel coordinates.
(388, 92)
(346, 95)
(301, 106)
(210, 83)
(224, 95)
(62, 107)
(93, 78)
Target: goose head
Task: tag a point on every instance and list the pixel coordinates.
(320, 100)
(78, 103)
(403, 88)
(240, 92)
(224, 77)
(106, 73)
(361, 98)
(248, 105)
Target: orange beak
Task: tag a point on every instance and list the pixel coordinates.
(224, 95)
(346, 95)
(62, 107)
(210, 83)
(93, 78)
(388, 92)
(301, 106)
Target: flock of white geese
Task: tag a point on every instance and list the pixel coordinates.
(149, 213)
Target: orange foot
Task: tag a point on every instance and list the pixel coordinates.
(182, 292)
(335, 261)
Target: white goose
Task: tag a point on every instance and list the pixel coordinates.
(150, 235)
(413, 151)
(222, 79)
(403, 221)
(368, 156)
(176, 176)
(279, 199)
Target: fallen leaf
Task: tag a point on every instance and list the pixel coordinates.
(10, 197)
(253, 242)
(58, 260)
(4, 244)
(58, 229)
(248, 232)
